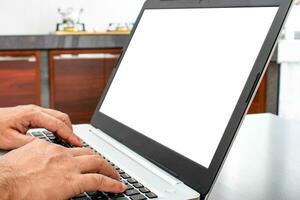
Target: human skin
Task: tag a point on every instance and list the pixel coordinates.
(36, 169)
(16, 121)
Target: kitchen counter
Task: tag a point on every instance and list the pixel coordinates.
(48, 42)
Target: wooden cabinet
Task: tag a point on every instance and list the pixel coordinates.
(78, 78)
(267, 92)
(259, 102)
(19, 78)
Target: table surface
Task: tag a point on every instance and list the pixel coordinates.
(264, 162)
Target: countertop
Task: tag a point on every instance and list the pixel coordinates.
(68, 41)
(48, 42)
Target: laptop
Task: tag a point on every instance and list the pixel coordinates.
(179, 93)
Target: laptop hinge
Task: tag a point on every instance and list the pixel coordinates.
(202, 197)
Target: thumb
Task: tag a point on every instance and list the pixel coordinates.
(18, 140)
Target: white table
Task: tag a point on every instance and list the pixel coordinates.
(264, 162)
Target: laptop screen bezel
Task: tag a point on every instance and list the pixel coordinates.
(191, 173)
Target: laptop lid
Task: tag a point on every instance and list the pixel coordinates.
(186, 79)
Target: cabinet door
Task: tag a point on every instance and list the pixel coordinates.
(77, 80)
(19, 78)
(260, 100)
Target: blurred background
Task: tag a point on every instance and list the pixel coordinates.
(35, 17)
(60, 54)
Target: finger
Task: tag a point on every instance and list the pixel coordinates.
(16, 140)
(98, 182)
(59, 115)
(40, 119)
(94, 163)
(81, 151)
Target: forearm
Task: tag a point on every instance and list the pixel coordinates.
(6, 182)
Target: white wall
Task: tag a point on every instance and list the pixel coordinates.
(19, 17)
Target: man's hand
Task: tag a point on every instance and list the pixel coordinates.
(15, 122)
(40, 170)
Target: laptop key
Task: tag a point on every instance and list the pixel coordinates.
(151, 195)
(80, 195)
(43, 138)
(125, 176)
(99, 198)
(138, 197)
(115, 195)
(144, 190)
(86, 145)
(131, 192)
(129, 187)
(118, 198)
(81, 198)
(95, 193)
(138, 185)
(131, 180)
(52, 137)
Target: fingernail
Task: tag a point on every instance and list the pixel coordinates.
(124, 186)
(77, 141)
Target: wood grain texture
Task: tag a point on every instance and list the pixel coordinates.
(19, 79)
(77, 84)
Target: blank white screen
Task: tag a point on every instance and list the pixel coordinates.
(183, 73)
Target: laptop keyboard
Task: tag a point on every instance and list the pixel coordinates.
(135, 190)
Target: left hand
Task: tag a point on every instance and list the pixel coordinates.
(16, 121)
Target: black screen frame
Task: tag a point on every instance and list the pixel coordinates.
(196, 176)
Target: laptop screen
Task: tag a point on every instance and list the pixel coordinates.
(183, 72)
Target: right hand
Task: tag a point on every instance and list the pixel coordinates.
(41, 170)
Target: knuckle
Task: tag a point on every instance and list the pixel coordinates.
(65, 117)
(69, 178)
(31, 107)
(97, 158)
(60, 124)
(100, 181)
(33, 112)
(76, 188)
(89, 151)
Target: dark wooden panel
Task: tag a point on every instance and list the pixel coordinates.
(19, 78)
(77, 83)
(259, 102)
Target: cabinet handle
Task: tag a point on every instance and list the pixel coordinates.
(86, 56)
(18, 58)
